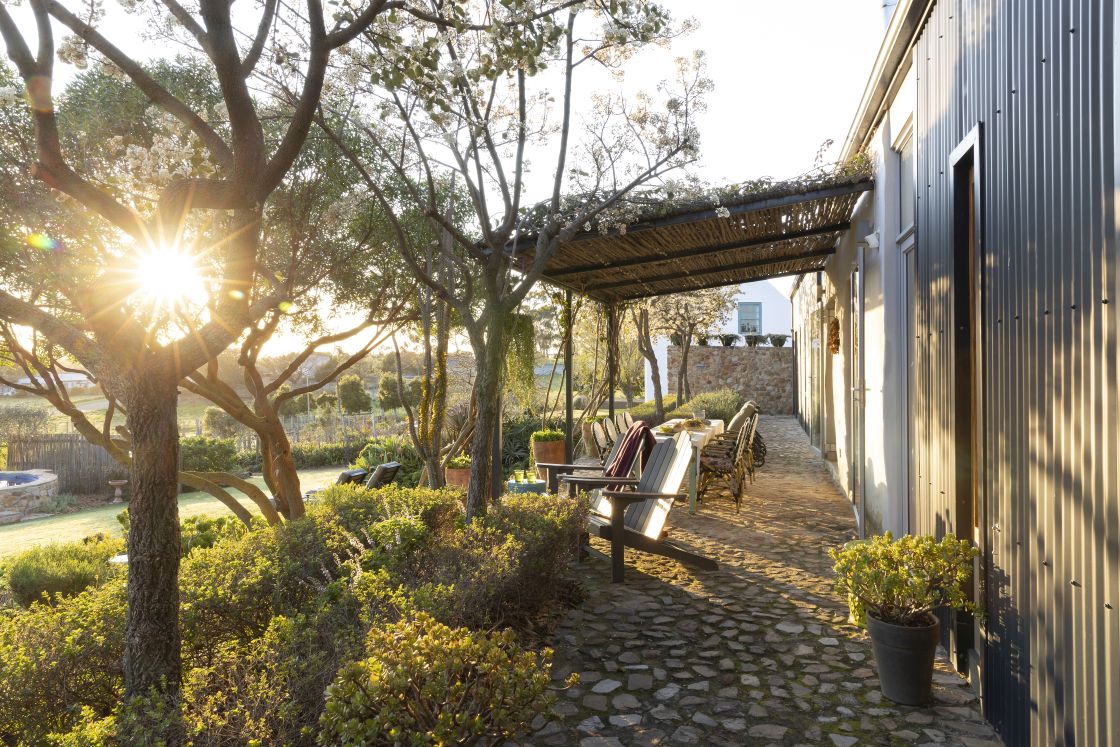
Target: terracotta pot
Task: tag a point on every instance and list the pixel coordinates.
(457, 477)
(588, 440)
(549, 452)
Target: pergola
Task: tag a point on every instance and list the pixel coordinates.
(785, 229)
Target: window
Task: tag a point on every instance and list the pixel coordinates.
(750, 318)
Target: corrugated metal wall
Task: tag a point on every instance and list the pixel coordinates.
(1039, 76)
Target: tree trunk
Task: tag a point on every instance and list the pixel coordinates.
(151, 637)
(645, 347)
(489, 358)
(282, 478)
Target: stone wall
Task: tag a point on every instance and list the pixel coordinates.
(764, 374)
(17, 501)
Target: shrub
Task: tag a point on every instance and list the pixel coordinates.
(50, 572)
(426, 683)
(203, 454)
(721, 404)
(463, 461)
(200, 532)
(778, 341)
(546, 435)
(753, 341)
(644, 411)
(56, 660)
(503, 567)
(729, 340)
(393, 449)
(307, 456)
(702, 340)
(901, 581)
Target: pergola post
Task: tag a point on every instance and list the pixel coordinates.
(612, 358)
(569, 425)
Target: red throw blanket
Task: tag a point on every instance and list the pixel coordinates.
(637, 439)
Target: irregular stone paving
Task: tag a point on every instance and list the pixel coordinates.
(757, 653)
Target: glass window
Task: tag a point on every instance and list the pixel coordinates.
(750, 318)
(906, 186)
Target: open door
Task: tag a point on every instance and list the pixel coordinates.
(969, 507)
(855, 409)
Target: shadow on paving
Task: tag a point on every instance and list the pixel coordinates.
(756, 653)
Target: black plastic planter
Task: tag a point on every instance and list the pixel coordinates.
(904, 656)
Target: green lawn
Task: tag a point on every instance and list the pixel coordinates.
(71, 527)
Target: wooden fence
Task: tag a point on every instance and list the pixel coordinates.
(81, 467)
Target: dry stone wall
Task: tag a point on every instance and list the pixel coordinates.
(764, 374)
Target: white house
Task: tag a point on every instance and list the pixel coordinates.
(759, 308)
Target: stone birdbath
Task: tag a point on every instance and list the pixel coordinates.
(118, 496)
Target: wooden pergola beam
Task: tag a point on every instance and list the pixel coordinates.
(703, 251)
(743, 208)
(749, 265)
(712, 284)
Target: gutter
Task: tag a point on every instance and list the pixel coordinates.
(887, 74)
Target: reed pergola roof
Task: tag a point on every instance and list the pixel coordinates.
(785, 229)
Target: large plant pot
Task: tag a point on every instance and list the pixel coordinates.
(588, 440)
(547, 452)
(458, 477)
(904, 656)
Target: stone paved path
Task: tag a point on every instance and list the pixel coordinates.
(757, 653)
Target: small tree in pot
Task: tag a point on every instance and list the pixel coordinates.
(548, 448)
(898, 583)
(729, 340)
(778, 341)
(457, 473)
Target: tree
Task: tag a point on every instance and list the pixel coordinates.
(202, 176)
(352, 392)
(18, 421)
(389, 389)
(217, 423)
(684, 315)
(462, 103)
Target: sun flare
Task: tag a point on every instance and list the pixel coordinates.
(168, 278)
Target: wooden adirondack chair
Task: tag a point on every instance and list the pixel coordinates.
(602, 443)
(632, 512)
(611, 429)
(383, 474)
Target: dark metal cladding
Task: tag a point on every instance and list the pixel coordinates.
(1039, 78)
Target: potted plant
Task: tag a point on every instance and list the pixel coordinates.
(548, 447)
(675, 339)
(778, 341)
(457, 473)
(702, 340)
(898, 584)
(753, 341)
(729, 340)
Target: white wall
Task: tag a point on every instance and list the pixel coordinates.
(777, 318)
(873, 244)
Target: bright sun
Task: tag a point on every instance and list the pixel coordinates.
(169, 278)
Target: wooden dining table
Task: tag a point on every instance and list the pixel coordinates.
(699, 438)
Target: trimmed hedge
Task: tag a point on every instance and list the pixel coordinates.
(644, 411)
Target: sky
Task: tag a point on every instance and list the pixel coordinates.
(787, 75)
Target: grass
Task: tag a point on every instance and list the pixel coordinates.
(15, 538)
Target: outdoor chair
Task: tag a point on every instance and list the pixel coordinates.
(602, 444)
(628, 419)
(611, 429)
(738, 420)
(628, 454)
(729, 467)
(382, 475)
(634, 512)
(554, 471)
(351, 475)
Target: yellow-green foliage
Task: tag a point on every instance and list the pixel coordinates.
(44, 574)
(56, 659)
(900, 581)
(425, 683)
